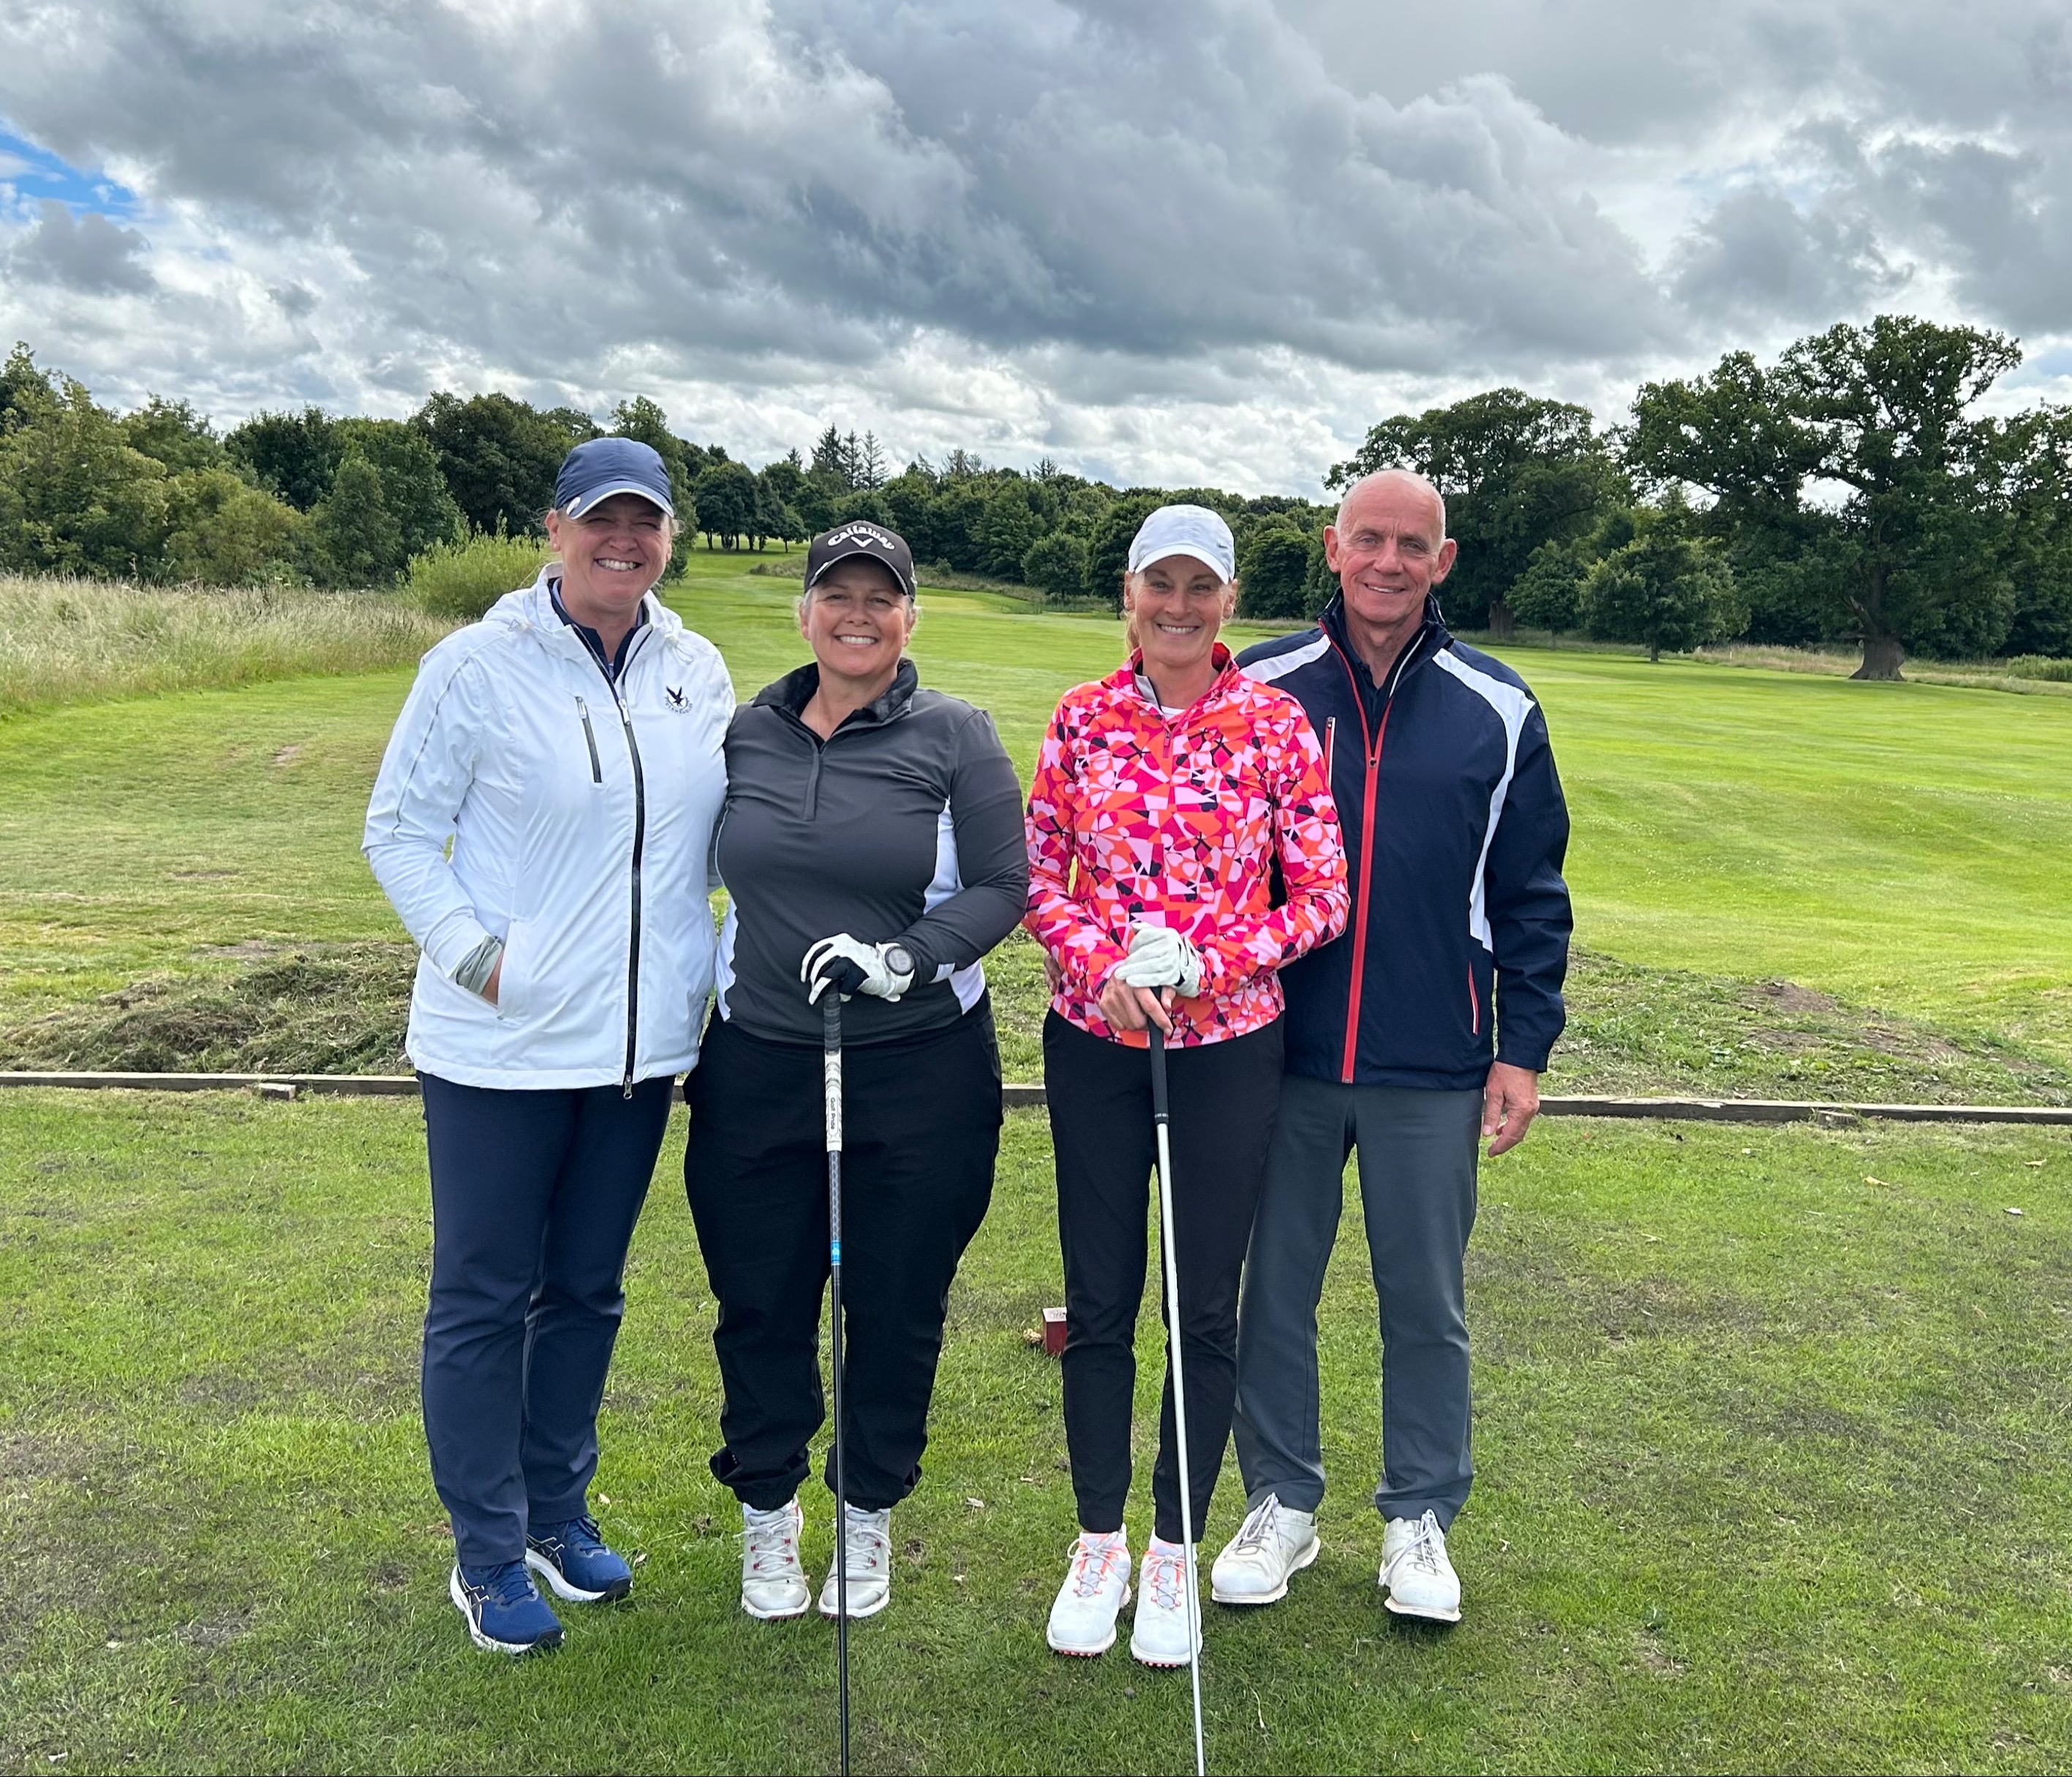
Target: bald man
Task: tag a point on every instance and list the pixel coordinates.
(1425, 1026)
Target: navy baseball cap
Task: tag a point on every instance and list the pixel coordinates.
(600, 467)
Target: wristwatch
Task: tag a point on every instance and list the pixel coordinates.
(899, 960)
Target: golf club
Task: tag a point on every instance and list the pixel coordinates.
(843, 977)
(1162, 1120)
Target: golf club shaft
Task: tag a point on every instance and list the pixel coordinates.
(1162, 1120)
(832, 1074)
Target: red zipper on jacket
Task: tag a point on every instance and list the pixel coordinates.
(1474, 1004)
(1373, 739)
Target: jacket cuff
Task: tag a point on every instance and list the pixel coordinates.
(1533, 1061)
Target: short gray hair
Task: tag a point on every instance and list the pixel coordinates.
(1410, 475)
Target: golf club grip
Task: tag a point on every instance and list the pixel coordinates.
(1160, 1113)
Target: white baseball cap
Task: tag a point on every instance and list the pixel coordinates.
(1185, 530)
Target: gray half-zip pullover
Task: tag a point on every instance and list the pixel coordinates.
(906, 824)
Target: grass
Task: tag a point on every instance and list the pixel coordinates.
(72, 641)
(1773, 1435)
(1897, 848)
(1776, 1475)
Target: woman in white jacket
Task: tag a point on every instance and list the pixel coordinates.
(567, 749)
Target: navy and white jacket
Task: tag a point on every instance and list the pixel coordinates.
(1454, 829)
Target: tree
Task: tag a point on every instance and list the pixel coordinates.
(1056, 566)
(412, 487)
(1549, 594)
(76, 496)
(354, 540)
(1665, 588)
(910, 498)
(499, 456)
(174, 434)
(1006, 528)
(1515, 471)
(1107, 551)
(292, 455)
(2036, 452)
(1915, 556)
(869, 458)
(221, 531)
(1273, 572)
(726, 496)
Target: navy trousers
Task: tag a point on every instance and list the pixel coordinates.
(534, 1197)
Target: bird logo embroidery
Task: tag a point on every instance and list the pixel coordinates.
(677, 699)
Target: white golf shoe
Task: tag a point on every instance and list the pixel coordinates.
(773, 1583)
(1415, 1573)
(870, 1566)
(1274, 1542)
(1161, 1636)
(1095, 1589)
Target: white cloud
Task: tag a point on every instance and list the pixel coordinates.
(1172, 240)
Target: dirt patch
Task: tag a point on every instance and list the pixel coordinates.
(1792, 998)
(250, 950)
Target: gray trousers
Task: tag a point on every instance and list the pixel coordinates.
(1418, 1187)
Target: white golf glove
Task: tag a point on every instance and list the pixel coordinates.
(888, 969)
(1159, 956)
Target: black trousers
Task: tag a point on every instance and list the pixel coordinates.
(921, 1131)
(534, 1197)
(1223, 1096)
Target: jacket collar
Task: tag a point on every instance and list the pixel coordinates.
(1427, 642)
(792, 692)
(533, 607)
(1130, 676)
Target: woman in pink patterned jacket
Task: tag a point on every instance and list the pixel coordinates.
(1164, 797)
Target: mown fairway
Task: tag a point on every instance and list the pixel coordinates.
(1775, 1464)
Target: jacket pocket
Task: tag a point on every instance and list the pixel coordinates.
(589, 740)
(513, 981)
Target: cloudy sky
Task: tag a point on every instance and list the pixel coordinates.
(1158, 240)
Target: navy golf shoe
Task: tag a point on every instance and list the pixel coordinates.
(572, 1558)
(504, 1611)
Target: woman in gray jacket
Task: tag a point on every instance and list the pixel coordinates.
(873, 822)
(541, 823)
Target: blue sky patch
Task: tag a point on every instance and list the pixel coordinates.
(35, 173)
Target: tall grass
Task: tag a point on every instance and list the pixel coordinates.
(74, 641)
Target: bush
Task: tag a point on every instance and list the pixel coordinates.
(2040, 666)
(463, 580)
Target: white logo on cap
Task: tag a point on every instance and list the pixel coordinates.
(859, 531)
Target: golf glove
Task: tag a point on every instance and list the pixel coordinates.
(1159, 956)
(887, 969)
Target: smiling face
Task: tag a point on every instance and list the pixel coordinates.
(1179, 604)
(611, 556)
(858, 619)
(1389, 547)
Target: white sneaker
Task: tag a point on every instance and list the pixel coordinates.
(1095, 1589)
(1273, 1542)
(870, 1566)
(773, 1583)
(1415, 1573)
(1161, 1635)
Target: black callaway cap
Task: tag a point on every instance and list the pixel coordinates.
(860, 536)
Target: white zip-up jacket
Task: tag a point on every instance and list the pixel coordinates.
(579, 816)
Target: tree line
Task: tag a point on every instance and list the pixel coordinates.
(1851, 490)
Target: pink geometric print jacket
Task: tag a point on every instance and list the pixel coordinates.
(1136, 819)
